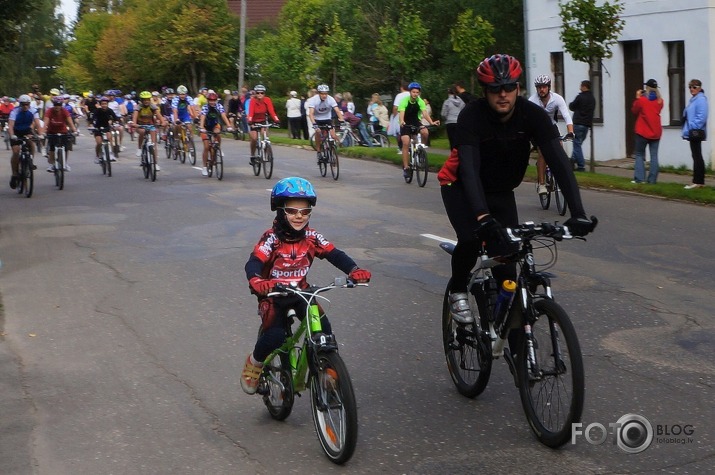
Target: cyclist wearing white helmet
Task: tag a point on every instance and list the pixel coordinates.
(183, 109)
(260, 108)
(22, 122)
(550, 102)
(320, 109)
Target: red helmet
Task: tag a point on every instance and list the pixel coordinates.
(212, 96)
(499, 69)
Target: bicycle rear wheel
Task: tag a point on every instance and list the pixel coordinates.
(421, 167)
(334, 162)
(257, 159)
(551, 379)
(469, 358)
(560, 199)
(267, 161)
(278, 383)
(332, 402)
(60, 168)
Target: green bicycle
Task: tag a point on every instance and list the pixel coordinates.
(309, 360)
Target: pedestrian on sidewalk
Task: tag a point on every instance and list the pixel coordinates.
(647, 106)
(695, 120)
(583, 107)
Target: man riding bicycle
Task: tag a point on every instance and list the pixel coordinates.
(320, 108)
(259, 109)
(182, 110)
(412, 110)
(491, 154)
(146, 116)
(210, 119)
(21, 123)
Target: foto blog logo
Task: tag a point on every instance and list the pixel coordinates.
(633, 433)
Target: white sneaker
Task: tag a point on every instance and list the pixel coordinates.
(112, 159)
(67, 168)
(158, 168)
(97, 160)
(51, 169)
(204, 171)
(542, 190)
(122, 148)
(139, 152)
(459, 308)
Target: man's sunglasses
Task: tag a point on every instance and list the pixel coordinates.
(502, 87)
(294, 211)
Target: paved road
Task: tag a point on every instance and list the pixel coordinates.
(127, 318)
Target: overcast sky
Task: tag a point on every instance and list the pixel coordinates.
(69, 10)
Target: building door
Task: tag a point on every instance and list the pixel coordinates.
(633, 81)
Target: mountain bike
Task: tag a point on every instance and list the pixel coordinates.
(60, 159)
(184, 145)
(552, 186)
(169, 143)
(26, 167)
(309, 360)
(379, 138)
(264, 151)
(328, 153)
(418, 156)
(215, 158)
(148, 155)
(237, 124)
(114, 142)
(105, 159)
(546, 364)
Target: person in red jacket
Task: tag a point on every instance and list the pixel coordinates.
(647, 107)
(260, 108)
(58, 121)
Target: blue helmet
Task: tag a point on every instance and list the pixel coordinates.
(414, 85)
(292, 187)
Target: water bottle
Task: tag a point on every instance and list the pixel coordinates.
(506, 294)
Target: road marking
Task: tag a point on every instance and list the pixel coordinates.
(438, 238)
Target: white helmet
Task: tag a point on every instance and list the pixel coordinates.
(24, 98)
(181, 90)
(323, 88)
(542, 80)
(259, 88)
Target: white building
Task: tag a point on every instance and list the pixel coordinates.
(669, 41)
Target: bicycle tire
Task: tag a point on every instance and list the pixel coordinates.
(145, 163)
(550, 417)
(382, 140)
(347, 140)
(218, 162)
(257, 159)
(103, 160)
(411, 167)
(545, 198)
(191, 150)
(29, 178)
(332, 403)
(151, 162)
(210, 163)
(334, 162)
(60, 168)
(116, 147)
(323, 164)
(561, 204)
(168, 146)
(278, 401)
(468, 355)
(422, 168)
(268, 161)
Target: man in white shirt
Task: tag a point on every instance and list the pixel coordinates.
(320, 108)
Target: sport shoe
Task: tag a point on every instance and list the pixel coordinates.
(51, 169)
(542, 190)
(67, 168)
(693, 186)
(112, 159)
(158, 168)
(13, 181)
(97, 160)
(405, 173)
(459, 308)
(204, 171)
(139, 152)
(249, 376)
(250, 160)
(122, 148)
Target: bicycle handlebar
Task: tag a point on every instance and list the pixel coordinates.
(530, 230)
(313, 290)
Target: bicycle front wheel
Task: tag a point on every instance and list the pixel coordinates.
(560, 199)
(323, 162)
(279, 384)
(421, 165)
(257, 159)
(191, 151)
(551, 379)
(469, 359)
(151, 162)
(218, 162)
(332, 402)
(545, 198)
(334, 162)
(60, 168)
(268, 161)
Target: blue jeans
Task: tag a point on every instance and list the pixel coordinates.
(639, 169)
(580, 132)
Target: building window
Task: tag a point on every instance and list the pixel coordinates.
(595, 75)
(557, 67)
(676, 80)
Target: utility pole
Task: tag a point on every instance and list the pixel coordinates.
(242, 47)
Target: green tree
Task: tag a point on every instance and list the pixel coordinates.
(404, 46)
(78, 66)
(335, 53)
(588, 31)
(470, 38)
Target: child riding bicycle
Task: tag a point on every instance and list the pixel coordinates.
(284, 255)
